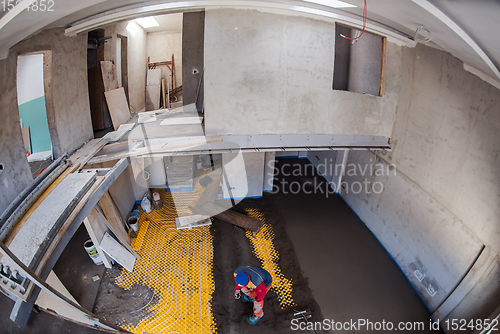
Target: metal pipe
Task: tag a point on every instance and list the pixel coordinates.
(10, 209)
(21, 209)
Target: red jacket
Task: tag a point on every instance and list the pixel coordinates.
(260, 290)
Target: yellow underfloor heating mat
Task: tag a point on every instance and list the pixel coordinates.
(177, 266)
(263, 248)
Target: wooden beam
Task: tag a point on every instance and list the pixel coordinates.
(116, 224)
(96, 230)
(114, 218)
(84, 154)
(382, 67)
(163, 93)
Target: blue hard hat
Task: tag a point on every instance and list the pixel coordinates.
(241, 279)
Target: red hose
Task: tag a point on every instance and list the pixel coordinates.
(364, 25)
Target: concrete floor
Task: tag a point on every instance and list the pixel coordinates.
(75, 270)
(350, 273)
(39, 323)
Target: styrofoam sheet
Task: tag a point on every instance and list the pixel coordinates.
(192, 221)
(182, 121)
(38, 226)
(117, 252)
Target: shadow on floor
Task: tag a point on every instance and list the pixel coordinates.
(351, 274)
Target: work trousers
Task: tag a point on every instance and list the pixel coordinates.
(258, 307)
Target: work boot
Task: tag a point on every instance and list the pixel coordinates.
(247, 299)
(252, 320)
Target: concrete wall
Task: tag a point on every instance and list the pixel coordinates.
(268, 73)
(160, 47)
(137, 61)
(442, 205)
(69, 118)
(193, 33)
(365, 64)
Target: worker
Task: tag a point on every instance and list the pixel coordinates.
(255, 282)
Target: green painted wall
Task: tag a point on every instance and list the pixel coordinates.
(34, 115)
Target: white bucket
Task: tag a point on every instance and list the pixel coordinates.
(133, 223)
(92, 252)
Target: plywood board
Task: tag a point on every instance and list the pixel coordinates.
(26, 138)
(36, 230)
(192, 221)
(154, 77)
(152, 97)
(117, 252)
(182, 121)
(109, 77)
(114, 218)
(163, 93)
(84, 154)
(96, 230)
(118, 106)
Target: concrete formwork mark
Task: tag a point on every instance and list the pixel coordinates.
(177, 266)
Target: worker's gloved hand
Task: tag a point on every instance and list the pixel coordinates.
(237, 294)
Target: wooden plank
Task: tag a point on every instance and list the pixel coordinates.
(33, 234)
(382, 68)
(114, 218)
(84, 154)
(118, 107)
(109, 77)
(96, 230)
(62, 231)
(163, 93)
(153, 97)
(116, 145)
(123, 129)
(26, 138)
(116, 251)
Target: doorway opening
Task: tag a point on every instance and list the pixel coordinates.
(121, 63)
(101, 119)
(33, 77)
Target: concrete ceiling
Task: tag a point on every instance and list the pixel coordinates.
(477, 20)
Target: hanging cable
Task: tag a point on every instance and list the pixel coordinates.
(364, 26)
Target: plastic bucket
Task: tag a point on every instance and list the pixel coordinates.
(132, 222)
(92, 252)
